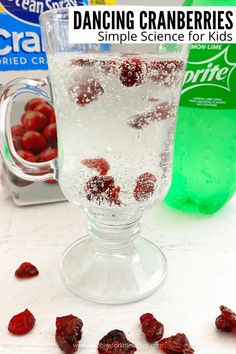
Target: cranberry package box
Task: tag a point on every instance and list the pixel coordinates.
(22, 55)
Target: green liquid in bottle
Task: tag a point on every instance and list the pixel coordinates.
(204, 170)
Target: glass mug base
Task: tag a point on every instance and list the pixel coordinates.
(113, 276)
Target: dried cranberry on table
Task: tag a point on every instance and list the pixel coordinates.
(116, 342)
(98, 164)
(228, 314)
(152, 328)
(26, 270)
(145, 186)
(85, 92)
(132, 72)
(226, 322)
(102, 189)
(22, 323)
(68, 333)
(176, 344)
(223, 324)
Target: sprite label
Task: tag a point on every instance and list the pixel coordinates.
(210, 79)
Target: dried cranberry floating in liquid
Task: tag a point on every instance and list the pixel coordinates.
(161, 112)
(102, 189)
(132, 72)
(85, 92)
(165, 72)
(145, 186)
(81, 62)
(108, 66)
(99, 164)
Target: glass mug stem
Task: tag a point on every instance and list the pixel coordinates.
(114, 237)
(28, 171)
(113, 265)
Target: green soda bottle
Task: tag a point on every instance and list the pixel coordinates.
(204, 171)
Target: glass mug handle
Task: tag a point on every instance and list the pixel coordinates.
(29, 171)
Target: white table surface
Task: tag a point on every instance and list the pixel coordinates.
(201, 252)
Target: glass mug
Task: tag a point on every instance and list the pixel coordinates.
(116, 113)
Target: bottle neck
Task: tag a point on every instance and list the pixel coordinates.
(209, 3)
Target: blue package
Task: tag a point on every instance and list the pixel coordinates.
(21, 46)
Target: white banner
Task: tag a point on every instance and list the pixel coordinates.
(152, 24)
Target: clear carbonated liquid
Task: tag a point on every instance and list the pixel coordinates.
(105, 126)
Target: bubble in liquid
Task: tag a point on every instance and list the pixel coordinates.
(101, 128)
